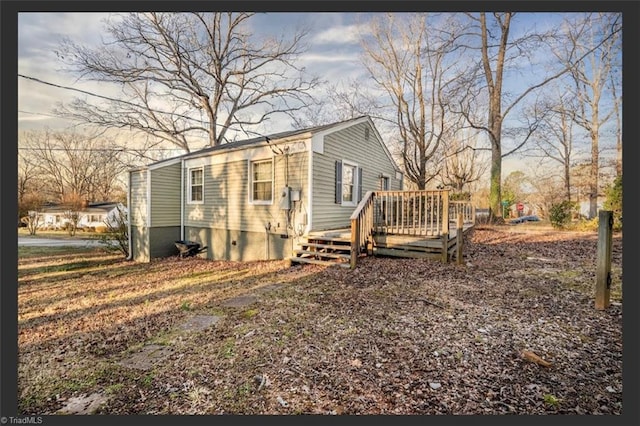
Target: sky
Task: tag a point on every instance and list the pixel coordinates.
(333, 53)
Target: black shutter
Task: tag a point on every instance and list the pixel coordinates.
(359, 184)
(338, 182)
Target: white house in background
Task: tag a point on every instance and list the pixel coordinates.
(584, 206)
(93, 215)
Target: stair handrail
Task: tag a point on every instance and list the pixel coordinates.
(361, 226)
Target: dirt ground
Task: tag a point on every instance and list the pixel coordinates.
(513, 330)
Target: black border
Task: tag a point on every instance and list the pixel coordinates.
(8, 191)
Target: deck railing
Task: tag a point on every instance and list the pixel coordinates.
(411, 213)
(361, 226)
(414, 213)
(417, 213)
(467, 209)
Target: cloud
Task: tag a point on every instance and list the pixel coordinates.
(341, 34)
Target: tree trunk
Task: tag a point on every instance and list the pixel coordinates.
(593, 180)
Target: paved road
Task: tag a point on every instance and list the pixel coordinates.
(51, 242)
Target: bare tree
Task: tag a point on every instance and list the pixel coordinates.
(74, 204)
(339, 102)
(73, 163)
(499, 53)
(462, 164)
(594, 40)
(547, 191)
(617, 102)
(410, 58)
(117, 235)
(189, 76)
(30, 206)
(555, 139)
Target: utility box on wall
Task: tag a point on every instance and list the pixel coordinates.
(295, 195)
(285, 198)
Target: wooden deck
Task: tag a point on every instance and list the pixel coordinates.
(334, 246)
(416, 224)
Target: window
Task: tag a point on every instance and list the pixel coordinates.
(384, 183)
(196, 185)
(262, 182)
(348, 183)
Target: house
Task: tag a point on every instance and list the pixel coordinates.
(254, 199)
(56, 216)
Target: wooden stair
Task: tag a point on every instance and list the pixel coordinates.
(324, 250)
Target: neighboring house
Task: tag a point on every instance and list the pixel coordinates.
(92, 215)
(253, 199)
(584, 207)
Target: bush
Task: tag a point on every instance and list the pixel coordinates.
(586, 224)
(614, 202)
(116, 235)
(101, 229)
(560, 214)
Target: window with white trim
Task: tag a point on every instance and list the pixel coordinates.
(262, 182)
(384, 182)
(348, 183)
(196, 185)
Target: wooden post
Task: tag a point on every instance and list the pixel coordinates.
(459, 238)
(445, 247)
(355, 238)
(603, 274)
(445, 212)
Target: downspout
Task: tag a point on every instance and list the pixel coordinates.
(182, 199)
(130, 255)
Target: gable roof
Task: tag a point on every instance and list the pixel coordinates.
(259, 140)
(103, 207)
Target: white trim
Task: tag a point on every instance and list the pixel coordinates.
(148, 198)
(165, 163)
(309, 193)
(182, 185)
(252, 152)
(129, 219)
(317, 143)
(384, 146)
(354, 191)
(189, 185)
(250, 180)
(388, 178)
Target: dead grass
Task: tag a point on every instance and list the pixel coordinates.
(394, 336)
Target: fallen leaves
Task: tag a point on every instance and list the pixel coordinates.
(394, 336)
(531, 356)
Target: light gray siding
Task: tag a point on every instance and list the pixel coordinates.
(227, 205)
(165, 196)
(138, 200)
(348, 144)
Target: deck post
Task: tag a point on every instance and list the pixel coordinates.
(459, 238)
(445, 212)
(445, 248)
(603, 274)
(354, 243)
